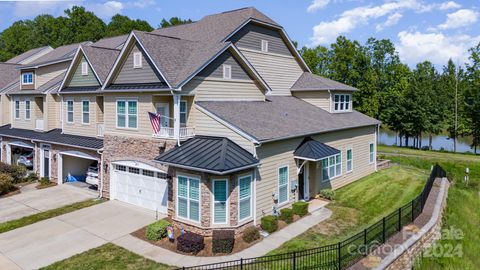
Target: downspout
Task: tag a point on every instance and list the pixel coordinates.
(100, 186)
(255, 186)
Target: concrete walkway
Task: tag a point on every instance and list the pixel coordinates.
(55, 239)
(32, 200)
(268, 244)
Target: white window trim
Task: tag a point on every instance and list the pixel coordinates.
(29, 109)
(73, 111)
(370, 153)
(15, 102)
(137, 56)
(278, 185)
(264, 45)
(251, 197)
(188, 204)
(126, 113)
(329, 165)
(227, 76)
(84, 69)
(23, 75)
(227, 214)
(339, 102)
(346, 164)
(83, 112)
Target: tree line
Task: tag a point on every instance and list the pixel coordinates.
(410, 101)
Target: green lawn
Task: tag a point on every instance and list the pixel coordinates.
(462, 212)
(427, 154)
(24, 221)
(360, 204)
(108, 256)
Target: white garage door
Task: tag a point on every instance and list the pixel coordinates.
(141, 187)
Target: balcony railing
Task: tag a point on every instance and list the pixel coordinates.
(169, 133)
(39, 124)
(100, 130)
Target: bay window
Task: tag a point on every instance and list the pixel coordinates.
(220, 204)
(188, 198)
(245, 197)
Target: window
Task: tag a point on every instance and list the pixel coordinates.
(331, 167)
(84, 69)
(245, 197)
(85, 112)
(69, 111)
(227, 71)
(27, 78)
(372, 153)
(148, 173)
(264, 46)
(121, 168)
(183, 113)
(283, 184)
(133, 170)
(342, 103)
(27, 109)
(349, 160)
(220, 205)
(127, 113)
(17, 109)
(188, 198)
(137, 60)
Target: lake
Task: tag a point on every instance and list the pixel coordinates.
(387, 137)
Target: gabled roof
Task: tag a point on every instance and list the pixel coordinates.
(58, 55)
(309, 81)
(111, 42)
(280, 118)
(313, 150)
(8, 74)
(24, 57)
(215, 155)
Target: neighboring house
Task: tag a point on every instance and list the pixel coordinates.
(241, 127)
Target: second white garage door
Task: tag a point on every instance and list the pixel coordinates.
(140, 186)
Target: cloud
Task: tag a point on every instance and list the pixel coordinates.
(391, 20)
(317, 4)
(415, 47)
(460, 18)
(449, 5)
(24, 9)
(107, 9)
(142, 3)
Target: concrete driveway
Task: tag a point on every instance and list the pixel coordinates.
(32, 200)
(55, 239)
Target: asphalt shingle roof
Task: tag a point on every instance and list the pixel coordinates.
(51, 86)
(209, 154)
(314, 150)
(101, 59)
(309, 81)
(283, 117)
(54, 136)
(111, 42)
(8, 74)
(19, 58)
(61, 53)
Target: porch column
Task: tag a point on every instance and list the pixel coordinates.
(176, 116)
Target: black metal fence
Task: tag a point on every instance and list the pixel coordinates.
(342, 254)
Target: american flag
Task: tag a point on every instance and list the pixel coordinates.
(155, 119)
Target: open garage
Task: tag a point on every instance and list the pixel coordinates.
(78, 167)
(21, 153)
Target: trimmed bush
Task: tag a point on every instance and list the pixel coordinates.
(269, 223)
(31, 177)
(16, 172)
(223, 241)
(300, 208)
(327, 194)
(286, 214)
(250, 234)
(6, 183)
(157, 230)
(190, 243)
(44, 181)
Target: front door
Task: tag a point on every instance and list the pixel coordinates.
(163, 110)
(46, 163)
(303, 183)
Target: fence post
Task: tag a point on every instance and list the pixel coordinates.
(413, 210)
(365, 237)
(383, 231)
(339, 255)
(400, 219)
(241, 263)
(294, 260)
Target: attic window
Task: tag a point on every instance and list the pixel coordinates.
(27, 78)
(84, 69)
(264, 45)
(137, 60)
(227, 71)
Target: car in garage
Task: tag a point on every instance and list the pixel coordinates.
(26, 159)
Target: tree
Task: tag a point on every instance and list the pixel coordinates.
(120, 25)
(173, 21)
(472, 96)
(82, 25)
(317, 59)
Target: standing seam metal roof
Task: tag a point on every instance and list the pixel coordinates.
(314, 150)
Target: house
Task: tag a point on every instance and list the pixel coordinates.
(215, 123)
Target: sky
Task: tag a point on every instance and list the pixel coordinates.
(420, 30)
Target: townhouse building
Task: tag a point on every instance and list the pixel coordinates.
(215, 123)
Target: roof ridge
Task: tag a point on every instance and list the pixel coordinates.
(102, 48)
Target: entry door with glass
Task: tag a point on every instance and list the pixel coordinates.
(163, 110)
(45, 158)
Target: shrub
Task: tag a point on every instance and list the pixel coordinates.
(190, 243)
(286, 214)
(300, 208)
(250, 234)
(44, 181)
(6, 183)
(16, 172)
(269, 223)
(157, 230)
(31, 177)
(223, 241)
(327, 194)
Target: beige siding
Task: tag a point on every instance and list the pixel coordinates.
(5, 107)
(52, 112)
(280, 72)
(77, 127)
(276, 154)
(35, 112)
(45, 74)
(220, 89)
(318, 98)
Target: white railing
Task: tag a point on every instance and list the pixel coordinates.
(169, 133)
(100, 130)
(39, 124)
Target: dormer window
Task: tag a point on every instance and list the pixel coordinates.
(137, 60)
(84, 69)
(227, 72)
(342, 103)
(264, 45)
(27, 78)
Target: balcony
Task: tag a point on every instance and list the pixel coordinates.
(39, 124)
(100, 130)
(169, 133)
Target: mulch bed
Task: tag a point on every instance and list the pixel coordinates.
(42, 186)
(15, 191)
